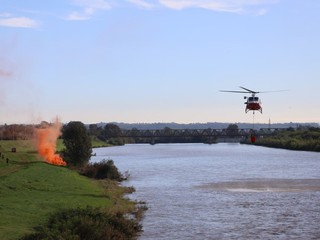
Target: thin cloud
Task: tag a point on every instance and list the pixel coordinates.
(88, 9)
(206, 4)
(84, 15)
(261, 12)
(5, 15)
(18, 22)
(233, 6)
(141, 3)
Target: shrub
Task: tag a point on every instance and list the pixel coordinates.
(102, 170)
(86, 224)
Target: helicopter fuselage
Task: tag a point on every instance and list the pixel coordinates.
(253, 104)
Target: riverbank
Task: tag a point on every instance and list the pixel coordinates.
(301, 139)
(31, 190)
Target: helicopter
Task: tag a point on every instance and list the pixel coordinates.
(253, 103)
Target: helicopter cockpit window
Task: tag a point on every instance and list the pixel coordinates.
(253, 99)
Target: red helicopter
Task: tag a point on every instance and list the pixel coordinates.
(253, 103)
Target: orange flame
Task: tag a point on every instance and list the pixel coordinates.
(46, 141)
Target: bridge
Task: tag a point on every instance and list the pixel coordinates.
(199, 135)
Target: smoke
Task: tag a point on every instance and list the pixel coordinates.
(5, 77)
(5, 73)
(46, 137)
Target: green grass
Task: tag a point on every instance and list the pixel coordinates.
(25, 153)
(98, 143)
(30, 190)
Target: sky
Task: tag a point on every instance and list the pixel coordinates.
(146, 61)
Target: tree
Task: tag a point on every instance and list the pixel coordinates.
(94, 130)
(232, 129)
(78, 148)
(112, 131)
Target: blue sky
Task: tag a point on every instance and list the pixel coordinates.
(158, 60)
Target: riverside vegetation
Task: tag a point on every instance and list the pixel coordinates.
(301, 138)
(43, 201)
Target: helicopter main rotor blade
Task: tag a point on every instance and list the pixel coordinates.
(249, 90)
(274, 91)
(233, 91)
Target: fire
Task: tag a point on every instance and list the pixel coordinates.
(46, 142)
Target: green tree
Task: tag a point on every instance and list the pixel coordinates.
(94, 130)
(232, 129)
(78, 148)
(112, 131)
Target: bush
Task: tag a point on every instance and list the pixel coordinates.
(102, 170)
(300, 139)
(86, 224)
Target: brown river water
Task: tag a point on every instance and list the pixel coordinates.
(222, 191)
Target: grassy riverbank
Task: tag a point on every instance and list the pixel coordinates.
(31, 190)
(303, 139)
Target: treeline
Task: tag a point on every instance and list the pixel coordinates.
(108, 132)
(26, 131)
(212, 125)
(301, 138)
(16, 132)
(112, 134)
(297, 138)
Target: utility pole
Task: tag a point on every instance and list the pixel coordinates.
(269, 124)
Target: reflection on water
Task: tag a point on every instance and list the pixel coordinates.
(222, 191)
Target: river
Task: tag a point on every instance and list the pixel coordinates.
(222, 191)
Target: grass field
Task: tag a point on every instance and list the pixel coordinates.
(31, 189)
